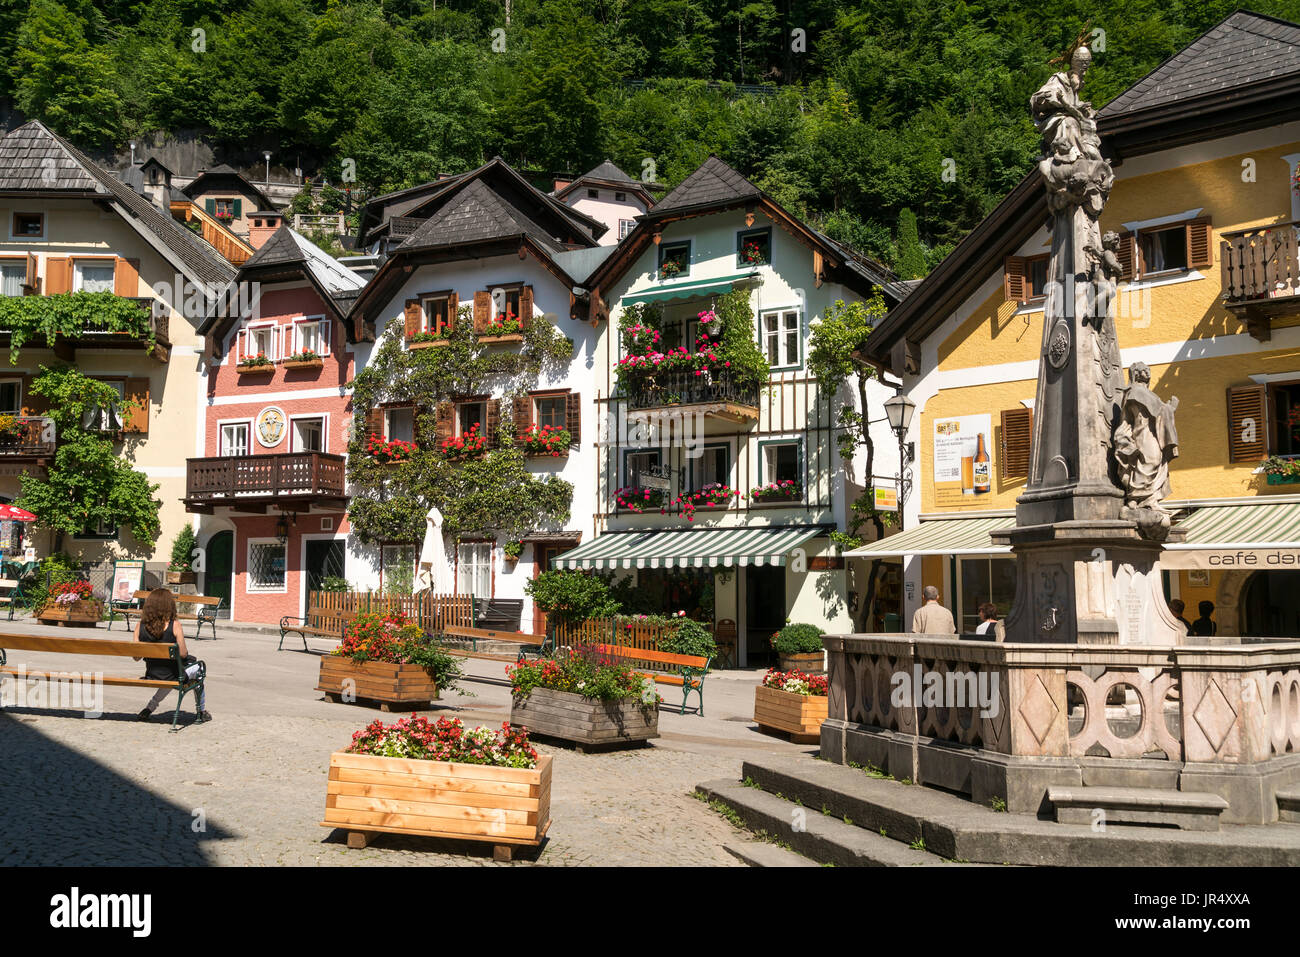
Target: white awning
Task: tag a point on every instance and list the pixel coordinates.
(941, 536)
(1256, 537)
(686, 547)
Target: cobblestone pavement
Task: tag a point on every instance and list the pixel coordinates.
(249, 787)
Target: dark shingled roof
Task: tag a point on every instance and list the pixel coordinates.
(608, 171)
(477, 214)
(33, 143)
(713, 184)
(1245, 48)
(288, 248)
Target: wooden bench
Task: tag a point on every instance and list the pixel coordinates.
(205, 614)
(326, 622)
(686, 676)
(11, 596)
(475, 635)
(107, 647)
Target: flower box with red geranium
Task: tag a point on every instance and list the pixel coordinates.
(437, 779)
(72, 603)
(395, 450)
(257, 363)
(793, 702)
(470, 444)
(307, 359)
(548, 440)
(389, 660)
(427, 340)
(507, 327)
(713, 496)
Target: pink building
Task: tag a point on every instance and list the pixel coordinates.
(609, 196)
(270, 486)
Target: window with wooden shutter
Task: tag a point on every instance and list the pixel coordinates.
(443, 422)
(482, 310)
(1017, 434)
(1200, 243)
(237, 208)
(211, 206)
(126, 278)
(375, 425)
(412, 316)
(523, 413)
(32, 284)
(493, 422)
(1127, 256)
(526, 304)
(573, 419)
(1013, 279)
(58, 275)
(1247, 423)
(137, 394)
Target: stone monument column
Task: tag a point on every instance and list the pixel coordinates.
(1089, 525)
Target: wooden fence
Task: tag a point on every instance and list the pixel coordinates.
(434, 613)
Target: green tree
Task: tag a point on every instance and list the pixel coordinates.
(88, 484)
(911, 257)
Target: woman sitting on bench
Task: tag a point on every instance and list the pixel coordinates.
(157, 618)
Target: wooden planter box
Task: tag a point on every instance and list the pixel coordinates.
(304, 363)
(434, 344)
(392, 687)
(181, 578)
(80, 614)
(810, 663)
(255, 370)
(798, 715)
(507, 807)
(564, 454)
(508, 338)
(584, 721)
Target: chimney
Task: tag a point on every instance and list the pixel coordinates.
(261, 227)
(560, 184)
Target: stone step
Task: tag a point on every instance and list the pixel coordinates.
(813, 834)
(1288, 805)
(762, 854)
(954, 828)
(1189, 810)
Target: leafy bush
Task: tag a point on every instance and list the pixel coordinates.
(183, 550)
(334, 583)
(54, 570)
(798, 640)
(571, 597)
(689, 637)
(585, 672)
(416, 737)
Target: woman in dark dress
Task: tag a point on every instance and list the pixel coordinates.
(158, 624)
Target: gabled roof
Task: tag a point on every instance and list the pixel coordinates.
(33, 148)
(209, 178)
(713, 184)
(1244, 48)
(475, 214)
(611, 177)
(608, 172)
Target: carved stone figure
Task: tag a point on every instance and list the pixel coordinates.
(1072, 166)
(1145, 443)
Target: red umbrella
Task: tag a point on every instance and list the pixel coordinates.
(11, 513)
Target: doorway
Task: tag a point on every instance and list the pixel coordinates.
(543, 553)
(324, 559)
(1270, 607)
(765, 610)
(220, 565)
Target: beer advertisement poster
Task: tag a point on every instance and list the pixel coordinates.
(963, 461)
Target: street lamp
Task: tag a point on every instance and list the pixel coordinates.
(267, 155)
(898, 410)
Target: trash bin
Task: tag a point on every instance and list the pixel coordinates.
(893, 623)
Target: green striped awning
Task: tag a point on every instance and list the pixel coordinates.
(942, 536)
(684, 547)
(1274, 525)
(685, 290)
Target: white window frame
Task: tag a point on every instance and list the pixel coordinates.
(20, 264)
(248, 568)
(694, 466)
(479, 564)
(388, 428)
(561, 397)
(252, 330)
(18, 383)
(783, 314)
(323, 329)
(99, 534)
(321, 417)
(222, 447)
(766, 476)
(426, 318)
(627, 462)
(384, 561)
(115, 412)
(82, 262)
(625, 227)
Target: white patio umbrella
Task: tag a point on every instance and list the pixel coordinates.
(434, 573)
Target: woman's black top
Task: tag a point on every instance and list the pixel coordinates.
(160, 669)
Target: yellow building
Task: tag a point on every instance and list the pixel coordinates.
(67, 225)
(1206, 201)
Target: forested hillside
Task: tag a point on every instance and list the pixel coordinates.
(845, 110)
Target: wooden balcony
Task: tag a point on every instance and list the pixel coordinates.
(29, 442)
(1260, 270)
(249, 483)
(715, 395)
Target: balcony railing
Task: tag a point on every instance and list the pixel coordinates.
(247, 477)
(30, 437)
(1258, 265)
(687, 388)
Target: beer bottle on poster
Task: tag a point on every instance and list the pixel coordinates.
(982, 469)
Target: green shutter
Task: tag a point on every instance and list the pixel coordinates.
(211, 206)
(238, 207)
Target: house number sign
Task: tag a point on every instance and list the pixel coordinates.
(270, 426)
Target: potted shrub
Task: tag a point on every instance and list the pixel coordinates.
(436, 779)
(389, 660)
(800, 646)
(71, 603)
(512, 551)
(181, 569)
(793, 702)
(584, 697)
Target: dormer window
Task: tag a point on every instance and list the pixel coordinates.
(593, 194)
(29, 224)
(620, 197)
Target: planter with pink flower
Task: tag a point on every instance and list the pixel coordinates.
(251, 365)
(641, 500)
(395, 450)
(774, 493)
(306, 359)
(711, 497)
(438, 779)
(72, 604)
(793, 702)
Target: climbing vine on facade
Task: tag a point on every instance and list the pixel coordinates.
(70, 315)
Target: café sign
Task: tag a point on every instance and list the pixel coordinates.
(1253, 559)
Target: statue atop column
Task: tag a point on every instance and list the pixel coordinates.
(1146, 441)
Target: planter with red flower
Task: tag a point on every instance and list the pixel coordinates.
(507, 327)
(395, 450)
(585, 697)
(751, 254)
(792, 702)
(427, 340)
(713, 496)
(72, 604)
(786, 490)
(640, 500)
(254, 364)
(437, 779)
(468, 445)
(386, 660)
(546, 441)
(307, 359)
